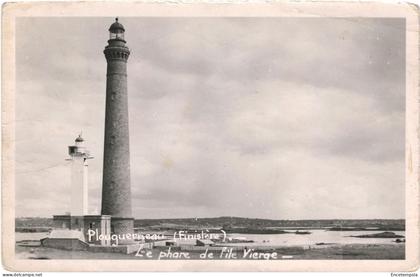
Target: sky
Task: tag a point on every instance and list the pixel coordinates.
(279, 118)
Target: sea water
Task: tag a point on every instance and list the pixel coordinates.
(288, 239)
(316, 236)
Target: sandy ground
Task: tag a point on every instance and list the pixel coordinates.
(333, 252)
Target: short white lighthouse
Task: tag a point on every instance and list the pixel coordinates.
(79, 223)
(79, 157)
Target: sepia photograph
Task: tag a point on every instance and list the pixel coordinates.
(210, 138)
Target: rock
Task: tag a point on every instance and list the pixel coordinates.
(380, 235)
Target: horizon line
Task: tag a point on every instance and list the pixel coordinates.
(242, 217)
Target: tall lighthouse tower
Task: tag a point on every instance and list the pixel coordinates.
(116, 190)
(79, 156)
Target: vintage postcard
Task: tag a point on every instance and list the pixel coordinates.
(209, 137)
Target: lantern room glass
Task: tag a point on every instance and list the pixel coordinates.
(116, 35)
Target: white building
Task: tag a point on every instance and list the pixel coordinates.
(79, 157)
